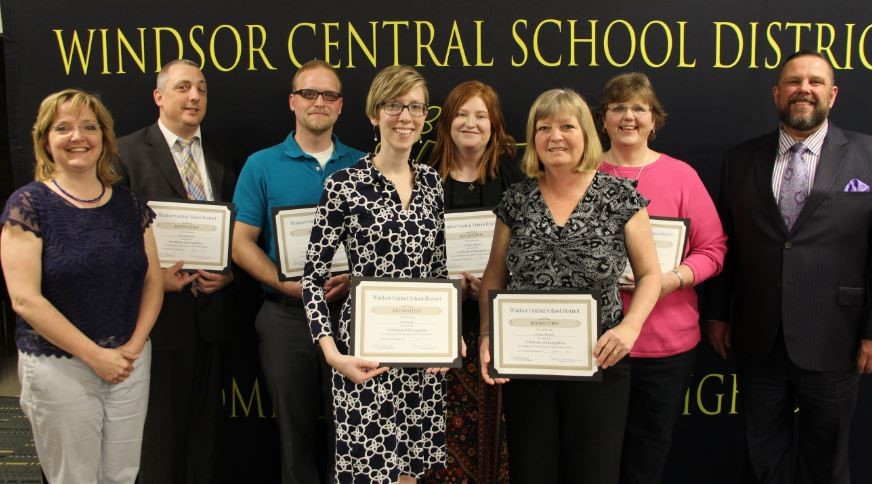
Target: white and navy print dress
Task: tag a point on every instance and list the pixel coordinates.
(392, 424)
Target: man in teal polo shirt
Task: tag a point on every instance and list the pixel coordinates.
(292, 173)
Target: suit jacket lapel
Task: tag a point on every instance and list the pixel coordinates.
(829, 167)
(764, 164)
(159, 154)
(215, 171)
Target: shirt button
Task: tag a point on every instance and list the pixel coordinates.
(788, 245)
(317, 168)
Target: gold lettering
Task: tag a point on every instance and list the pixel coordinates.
(770, 38)
(252, 28)
(606, 43)
(753, 43)
(536, 50)
(828, 48)
(523, 46)
(158, 47)
(576, 40)
(681, 61)
(353, 35)
(699, 390)
(330, 43)
(455, 43)
(291, 35)
(140, 60)
(396, 24)
(196, 45)
(422, 46)
(643, 42)
(213, 51)
(734, 395)
(253, 399)
(479, 62)
(105, 44)
(718, 46)
(862, 48)
(75, 48)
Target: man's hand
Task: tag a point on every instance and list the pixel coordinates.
(336, 287)
(720, 336)
(864, 357)
(175, 279)
(210, 282)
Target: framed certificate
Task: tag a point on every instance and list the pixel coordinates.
(670, 238)
(544, 335)
(292, 227)
(197, 233)
(406, 322)
(468, 238)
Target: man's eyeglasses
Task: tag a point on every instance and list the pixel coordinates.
(311, 95)
(637, 109)
(394, 108)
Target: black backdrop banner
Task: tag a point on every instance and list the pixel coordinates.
(712, 63)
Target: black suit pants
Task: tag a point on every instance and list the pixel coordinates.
(786, 446)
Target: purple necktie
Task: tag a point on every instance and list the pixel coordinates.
(794, 185)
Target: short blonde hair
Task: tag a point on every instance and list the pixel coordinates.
(391, 83)
(45, 118)
(551, 103)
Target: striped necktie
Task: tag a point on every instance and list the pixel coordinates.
(189, 170)
(794, 185)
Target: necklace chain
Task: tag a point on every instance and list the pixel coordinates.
(81, 200)
(615, 171)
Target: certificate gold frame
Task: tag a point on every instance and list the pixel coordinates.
(199, 233)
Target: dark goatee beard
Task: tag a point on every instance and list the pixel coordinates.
(804, 122)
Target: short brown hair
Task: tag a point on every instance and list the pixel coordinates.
(392, 82)
(551, 103)
(624, 87)
(48, 110)
(314, 64)
(501, 143)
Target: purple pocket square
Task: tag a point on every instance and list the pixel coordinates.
(855, 185)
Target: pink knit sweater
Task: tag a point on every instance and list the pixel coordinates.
(675, 190)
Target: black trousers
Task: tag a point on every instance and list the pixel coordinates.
(181, 434)
(567, 431)
(657, 391)
(789, 447)
(297, 382)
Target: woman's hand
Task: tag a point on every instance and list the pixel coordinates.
(484, 359)
(614, 344)
(113, 365)
(473, 285)
(356, 369)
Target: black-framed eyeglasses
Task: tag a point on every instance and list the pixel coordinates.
(312, 94)
(395, 108)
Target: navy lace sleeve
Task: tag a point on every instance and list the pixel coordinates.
(19, 211)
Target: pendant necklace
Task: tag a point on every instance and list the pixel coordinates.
(81, 200)
(615, 171)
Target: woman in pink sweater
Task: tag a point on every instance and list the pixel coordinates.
(663, 356)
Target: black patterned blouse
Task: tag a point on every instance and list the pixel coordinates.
(587, 253)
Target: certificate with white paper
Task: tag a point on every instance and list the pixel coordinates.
(195, 232)
(292, 227)
(670, 237)
(406, 322)
(468, 238)
(544, 335)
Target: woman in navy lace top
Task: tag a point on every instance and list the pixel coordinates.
(81, 267)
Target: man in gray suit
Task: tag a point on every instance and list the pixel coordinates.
(793, 301)
(180, 439)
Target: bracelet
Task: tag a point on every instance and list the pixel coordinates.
(484, 333)
(680, 278)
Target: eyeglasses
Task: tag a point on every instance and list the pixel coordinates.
(84, 128)
(638, 110)
(394, 108)
(311, 95)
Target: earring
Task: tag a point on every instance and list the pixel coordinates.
(375, 133)
(421, 140)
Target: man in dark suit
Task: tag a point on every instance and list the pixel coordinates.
(793, 301)
(180, 438)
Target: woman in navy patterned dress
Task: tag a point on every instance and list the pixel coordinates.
(570, 227)
(388, 211)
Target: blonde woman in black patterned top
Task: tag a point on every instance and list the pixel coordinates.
(570, 227)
